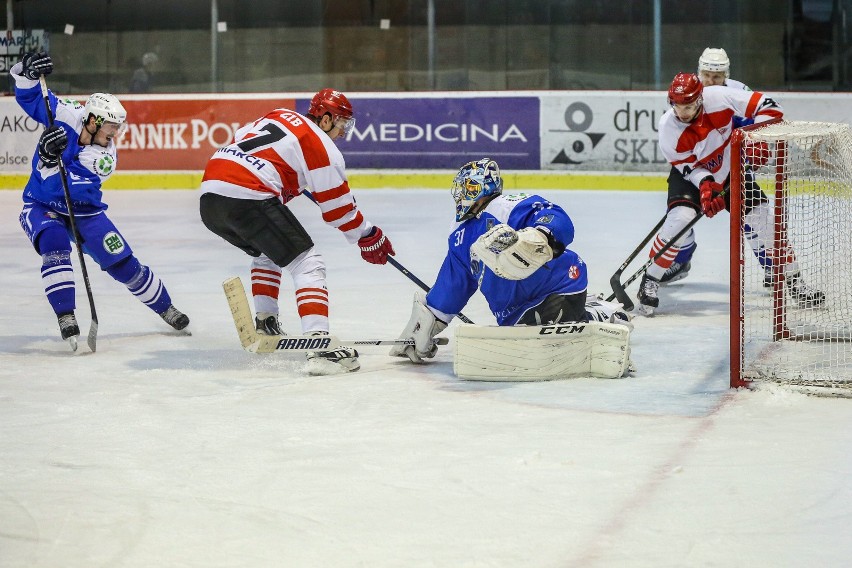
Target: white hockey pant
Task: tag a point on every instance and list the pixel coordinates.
(676, 219)
(759, 234)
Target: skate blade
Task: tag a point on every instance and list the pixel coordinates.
(320, 367)
(72, 341)
(643, 310)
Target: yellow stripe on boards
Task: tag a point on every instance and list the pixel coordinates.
(359, 180)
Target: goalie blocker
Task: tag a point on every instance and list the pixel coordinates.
(542, 353)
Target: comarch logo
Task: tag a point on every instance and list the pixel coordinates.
(577, 144)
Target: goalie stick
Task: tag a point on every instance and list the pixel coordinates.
(91, 340)
(254, 342)
(393, 262)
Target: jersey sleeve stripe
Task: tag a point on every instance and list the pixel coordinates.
(337, 213)
(316, 156)
(355, 223)
(752, 104)
(333, 193)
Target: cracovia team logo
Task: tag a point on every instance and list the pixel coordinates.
(578, 144)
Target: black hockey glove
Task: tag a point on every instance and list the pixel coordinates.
(36, 65)
(51, 144)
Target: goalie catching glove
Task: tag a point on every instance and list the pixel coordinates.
(511, 254)
(422, 328)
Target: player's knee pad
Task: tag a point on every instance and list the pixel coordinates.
(128, 271)
(676, 219)
(308, 270)
(53, 240)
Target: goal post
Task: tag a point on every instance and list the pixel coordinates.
(775, 336)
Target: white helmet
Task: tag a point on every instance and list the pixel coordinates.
(105, 108)
(714, 60)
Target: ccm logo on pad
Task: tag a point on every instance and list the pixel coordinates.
(561, 329)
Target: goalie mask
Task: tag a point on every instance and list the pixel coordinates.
(475, 184)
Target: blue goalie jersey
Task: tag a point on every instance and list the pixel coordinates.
(460, 275)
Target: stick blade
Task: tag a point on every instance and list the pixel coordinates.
(241, 312)
(92, 339)
(619, 293)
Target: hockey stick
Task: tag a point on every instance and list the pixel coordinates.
(393, 262)
(254, 342)
(93, 329)
(619, 288)
(615, 281)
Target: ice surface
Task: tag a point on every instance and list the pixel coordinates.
(167, 450)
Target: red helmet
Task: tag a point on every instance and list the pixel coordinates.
(686, 88)
(330, 101)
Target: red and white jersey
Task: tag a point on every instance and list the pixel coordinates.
(281, 155)
(734, 84)
(702, 147)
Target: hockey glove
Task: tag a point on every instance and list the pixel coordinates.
(711, 199)
(375, 247)
(35, 65)
(51, 144)
(757, 153)
(510, 254)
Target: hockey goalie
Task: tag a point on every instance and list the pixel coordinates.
(514, 249)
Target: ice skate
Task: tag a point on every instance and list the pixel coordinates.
(806, 296)
(69, 329)
(648, 300)
(598, 309)
(340, 360)
(266, 323)
(676, 271)
(175, 318)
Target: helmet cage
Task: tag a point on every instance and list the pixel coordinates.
(475, 183)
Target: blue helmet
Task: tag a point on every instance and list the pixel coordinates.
(475, 183)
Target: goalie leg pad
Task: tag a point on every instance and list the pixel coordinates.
(541, 353)
(513, 255)
(422, 328)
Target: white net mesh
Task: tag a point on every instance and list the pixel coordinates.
(796, 286)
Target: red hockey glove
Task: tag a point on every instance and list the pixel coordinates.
(711, 200)
(375, 247)
(757, 153)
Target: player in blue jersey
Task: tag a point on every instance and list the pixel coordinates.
(84, 138)
(514, 249)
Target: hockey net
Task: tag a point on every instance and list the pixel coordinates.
(775, 337)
